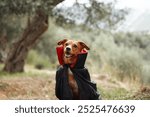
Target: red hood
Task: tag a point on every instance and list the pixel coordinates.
(81, 57)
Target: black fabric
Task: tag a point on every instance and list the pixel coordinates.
(87, 89)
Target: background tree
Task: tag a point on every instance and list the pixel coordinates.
(35, 28)
(91, 15)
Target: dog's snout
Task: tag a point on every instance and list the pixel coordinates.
(68, 49)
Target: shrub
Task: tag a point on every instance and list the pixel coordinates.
(120, 54)
(126, 64)
(38, 60)
(146, 74)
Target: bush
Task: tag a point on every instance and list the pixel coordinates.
(126, 64)
(120, 54)
(37, 60)
(146, 74)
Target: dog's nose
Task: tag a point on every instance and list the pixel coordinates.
(68, 49)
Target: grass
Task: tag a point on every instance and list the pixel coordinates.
(114, 94)
(25, 74)
(31, 84)
(29, 72)
(40, 84)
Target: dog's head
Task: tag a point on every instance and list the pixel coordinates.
(71, 50)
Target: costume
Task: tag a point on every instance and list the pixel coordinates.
(87, 89)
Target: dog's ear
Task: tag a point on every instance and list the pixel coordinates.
(84, 45)
(62, 42)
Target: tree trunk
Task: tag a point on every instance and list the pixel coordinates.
(3, 47)
(18, 53)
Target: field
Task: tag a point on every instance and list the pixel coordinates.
(40, 84)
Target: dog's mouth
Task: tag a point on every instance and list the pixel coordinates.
(69, 55)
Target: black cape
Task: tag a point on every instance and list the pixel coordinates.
(87, 89)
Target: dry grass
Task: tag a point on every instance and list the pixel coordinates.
(40, 84)
(33, 84)
(27, 88)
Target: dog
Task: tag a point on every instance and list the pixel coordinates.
(70, 55)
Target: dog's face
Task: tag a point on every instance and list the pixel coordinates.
(71, 49)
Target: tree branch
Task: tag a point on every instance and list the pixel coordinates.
(56, 2)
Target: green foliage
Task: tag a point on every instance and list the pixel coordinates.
(19, 7)
(118, 54)
(48, 42)
(38, 60)
(145, 73)
(13, 26)
(124, 54)
(13, 12)
(1, 66)
(126, 63)
(138, 45)
(132, 40)
(94, 14)
(27, 74)
(113, 93)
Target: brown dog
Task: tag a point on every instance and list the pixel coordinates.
(71, 50)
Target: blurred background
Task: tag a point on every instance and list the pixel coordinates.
(117, 32)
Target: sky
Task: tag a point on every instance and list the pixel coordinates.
(138, 18)
(133, 4)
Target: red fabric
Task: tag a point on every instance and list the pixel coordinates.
(60, 51)
(83, 51)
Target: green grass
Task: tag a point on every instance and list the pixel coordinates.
(114, 93)
(30, 71)
(1, 66)
(24, 74)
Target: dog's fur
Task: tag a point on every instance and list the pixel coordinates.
(71, 50)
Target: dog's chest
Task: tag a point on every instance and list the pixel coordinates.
(71, 80)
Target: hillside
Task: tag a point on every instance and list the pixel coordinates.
(136, 22)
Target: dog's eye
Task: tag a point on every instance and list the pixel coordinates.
(75, 46)
(66, 44)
